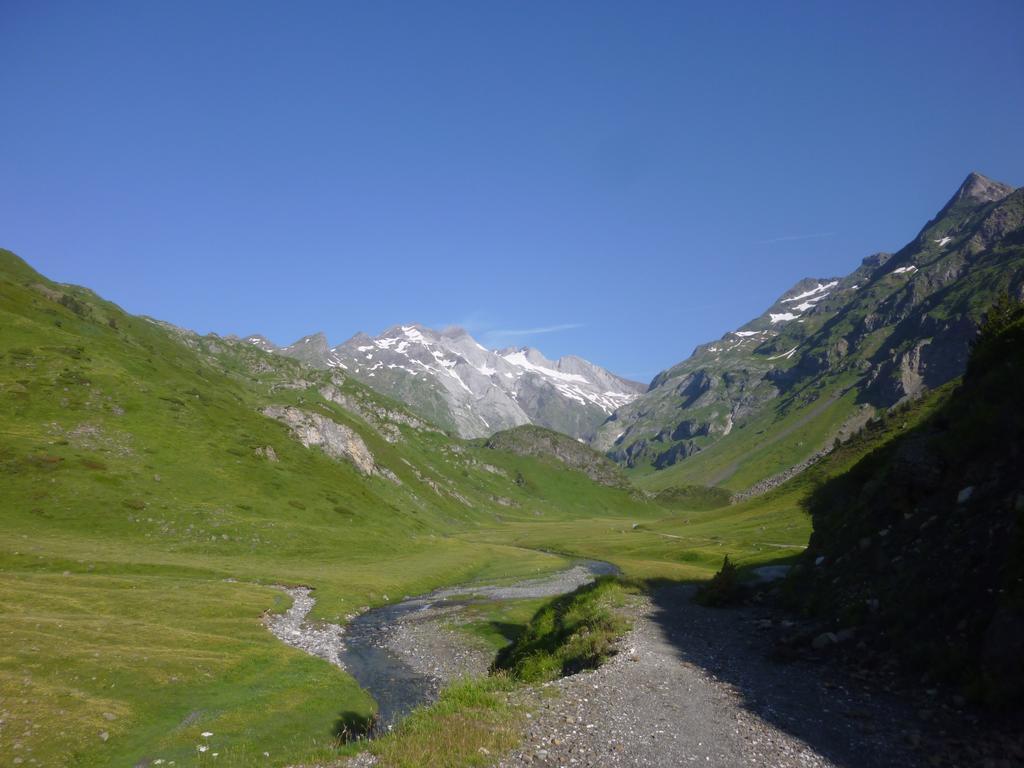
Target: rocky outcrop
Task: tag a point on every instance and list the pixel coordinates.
(267, 452)
(314, 430)
(384, 420)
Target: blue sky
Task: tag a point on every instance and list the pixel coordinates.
(620, 181)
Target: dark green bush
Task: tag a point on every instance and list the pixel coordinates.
(723, 588)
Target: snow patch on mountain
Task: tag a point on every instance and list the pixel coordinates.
(519, 359)
(817, 289)
(786, 355)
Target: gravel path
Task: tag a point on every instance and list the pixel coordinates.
(693, 686)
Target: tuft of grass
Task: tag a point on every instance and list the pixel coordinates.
(568, 635)
(472, 722)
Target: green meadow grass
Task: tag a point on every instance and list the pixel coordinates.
(472, 723)
(499, 623)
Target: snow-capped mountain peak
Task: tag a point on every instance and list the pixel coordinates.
(449, 377)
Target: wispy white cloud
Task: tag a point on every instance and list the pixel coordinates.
(535, 331)
(791, 238)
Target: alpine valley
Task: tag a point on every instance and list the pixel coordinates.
(411, 550)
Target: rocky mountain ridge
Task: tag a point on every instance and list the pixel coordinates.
(453, 380)
(897, 325)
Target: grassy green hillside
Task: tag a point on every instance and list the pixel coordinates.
(143, 522)
(531, 440)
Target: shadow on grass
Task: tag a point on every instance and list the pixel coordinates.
(355, 726)
(509, 630)
(811, 700)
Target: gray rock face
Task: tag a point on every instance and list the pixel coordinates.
(980, 189)
(313, 350)
(336, 440)
(384, 420)
(452, 380)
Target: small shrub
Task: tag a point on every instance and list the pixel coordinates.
(724, 587)
(134, 503)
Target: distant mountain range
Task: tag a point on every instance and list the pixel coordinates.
(830, 350)
(453, 380)
(759, 402)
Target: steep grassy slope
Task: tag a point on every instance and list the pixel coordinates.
(144, 517)
(921, 544)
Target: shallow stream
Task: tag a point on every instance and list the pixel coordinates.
(361, 648)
